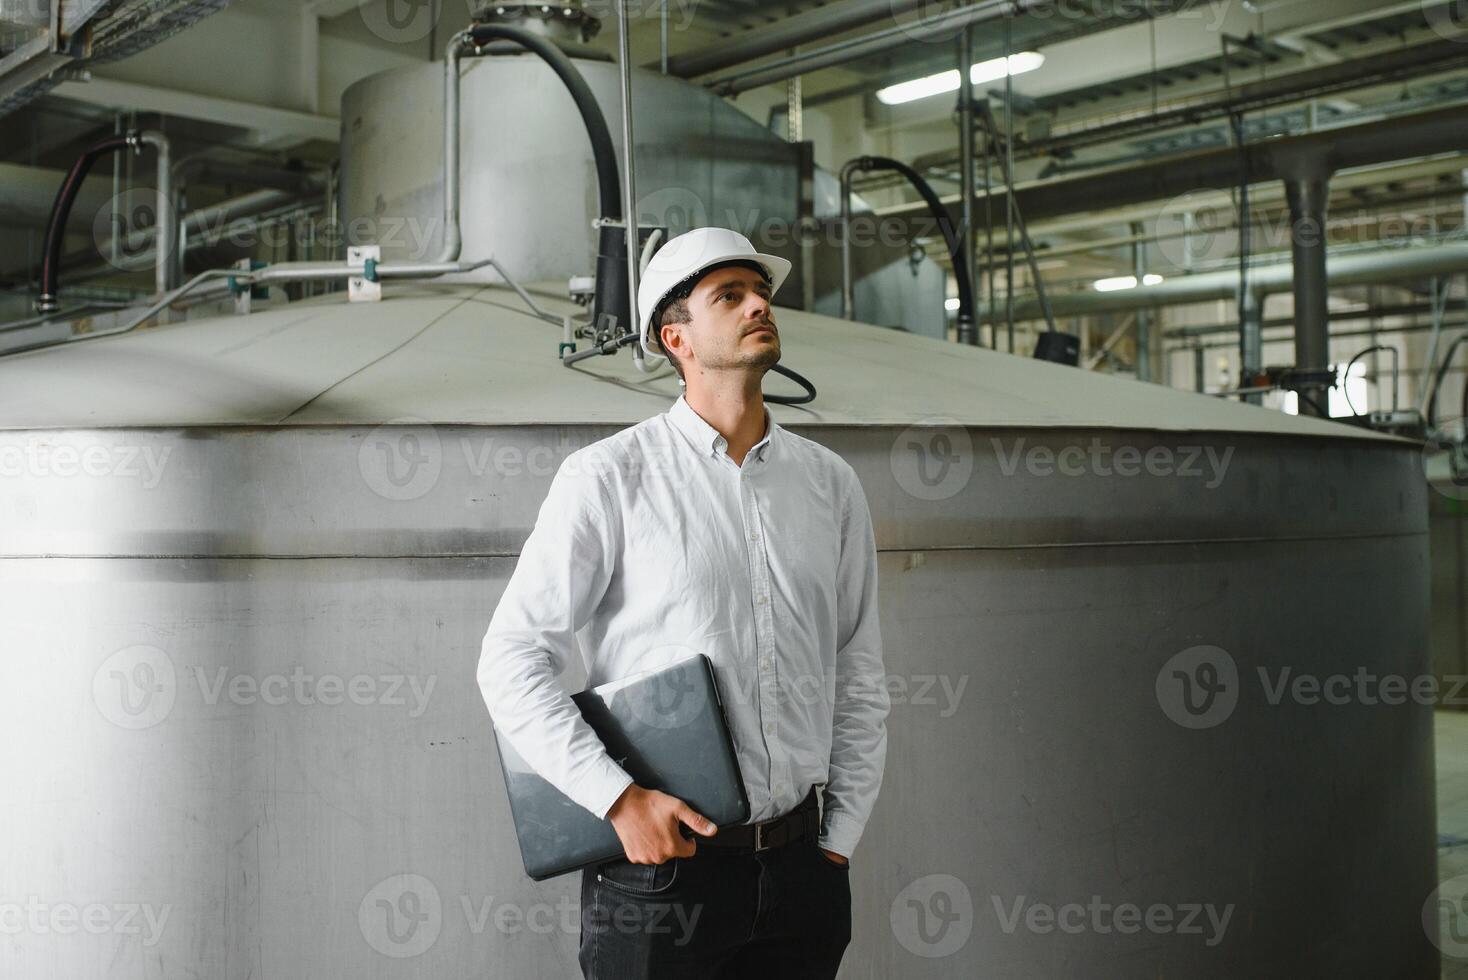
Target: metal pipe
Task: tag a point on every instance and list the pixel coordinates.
(629, 152)
(1399, 138)
(1352, 269)
(968, 331)
(848, 305)
(1024, 234)
(453, 241)
(790, 32)
(166, 228)
(868, 44)
(1308, 195)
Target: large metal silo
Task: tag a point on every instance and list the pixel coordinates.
(247, 563)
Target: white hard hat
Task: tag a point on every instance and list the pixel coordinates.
(689, 254)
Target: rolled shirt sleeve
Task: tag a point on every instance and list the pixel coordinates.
(557, 585)
(859, 728)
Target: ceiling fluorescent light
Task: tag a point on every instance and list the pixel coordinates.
(947, 81)
(1114, 283)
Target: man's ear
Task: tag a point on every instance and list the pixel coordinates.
(676, 329)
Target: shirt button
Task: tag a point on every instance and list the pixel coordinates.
(769, 729)
(759, 601)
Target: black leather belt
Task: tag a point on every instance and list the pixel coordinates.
(801, 822)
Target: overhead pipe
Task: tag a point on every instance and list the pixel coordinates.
(1353, 269)
(869, 44)
(1418, 134)
(791, 32)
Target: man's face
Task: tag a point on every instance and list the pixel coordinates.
(732, 324)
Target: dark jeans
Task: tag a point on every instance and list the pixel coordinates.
(782, 912)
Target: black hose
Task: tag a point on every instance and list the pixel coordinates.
(61, 210)
(608, 186)
(1346, 375)
(1437, 383)
(810, 389)
(957, 252)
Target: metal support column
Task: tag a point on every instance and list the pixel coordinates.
(1308, 194)
(968, 333)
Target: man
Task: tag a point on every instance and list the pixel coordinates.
(708, 529)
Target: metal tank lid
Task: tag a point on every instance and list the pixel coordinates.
(472, 354)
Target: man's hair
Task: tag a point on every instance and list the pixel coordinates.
(674, 307)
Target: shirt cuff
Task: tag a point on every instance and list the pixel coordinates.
(841, 833)
(599, 790)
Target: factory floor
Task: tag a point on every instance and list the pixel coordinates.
(1452, 810)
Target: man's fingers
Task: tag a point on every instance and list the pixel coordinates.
(697, 821)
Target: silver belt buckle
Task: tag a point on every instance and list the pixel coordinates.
(759, 837)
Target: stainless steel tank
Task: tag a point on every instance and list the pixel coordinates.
(529, 188)
(246, 564)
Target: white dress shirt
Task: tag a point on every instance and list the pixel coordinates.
(653, 544)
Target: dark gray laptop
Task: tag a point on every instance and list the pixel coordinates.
(667, 729)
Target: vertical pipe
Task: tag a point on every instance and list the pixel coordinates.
(1198, 381)
(1307, 195)
(1009, 185)
(848, 310)
(989, 240)
(1144, 317)
(968, 333)
(663, 36)
(453, 242)
(1251, 341)
(166, 236)
(629, 150)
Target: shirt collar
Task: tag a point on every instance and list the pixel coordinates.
(708, 439)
